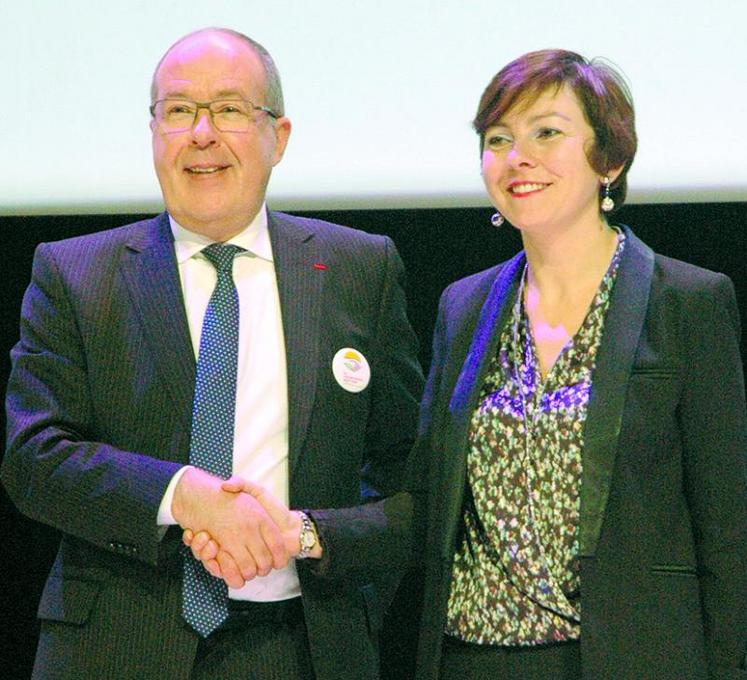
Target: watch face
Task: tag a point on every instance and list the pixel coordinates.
(307, 540)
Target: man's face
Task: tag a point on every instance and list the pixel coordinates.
(214, 182)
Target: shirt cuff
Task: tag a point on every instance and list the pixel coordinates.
(165, 518)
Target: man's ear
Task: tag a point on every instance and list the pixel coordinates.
(282, 134)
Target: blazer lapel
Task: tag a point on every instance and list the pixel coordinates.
(152, 278)
(492, 317)
(622, 329)
(295, 251)
(466, 391)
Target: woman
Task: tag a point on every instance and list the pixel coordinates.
(579, 481)
(584, 424)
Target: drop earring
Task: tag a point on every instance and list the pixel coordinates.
(497, 219)
(607, 202)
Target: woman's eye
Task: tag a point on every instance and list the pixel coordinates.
(495, 141)
(547, 133)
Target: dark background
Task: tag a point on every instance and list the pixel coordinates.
(437, 246)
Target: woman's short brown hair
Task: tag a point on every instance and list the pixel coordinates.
(601, 91)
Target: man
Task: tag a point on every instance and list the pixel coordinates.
(306, 383)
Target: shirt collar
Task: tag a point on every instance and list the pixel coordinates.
(255, 238)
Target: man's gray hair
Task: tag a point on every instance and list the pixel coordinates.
(273, 89)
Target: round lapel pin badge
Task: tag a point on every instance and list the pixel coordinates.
(351, 370)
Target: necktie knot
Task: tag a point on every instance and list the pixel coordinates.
(221, 255)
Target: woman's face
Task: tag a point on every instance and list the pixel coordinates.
(535, 168)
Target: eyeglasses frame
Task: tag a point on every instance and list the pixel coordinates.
(207, 105)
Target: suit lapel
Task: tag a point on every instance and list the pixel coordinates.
(152, 278)
(295, 251)
(492, 317)
(491, 320)
(622, 330)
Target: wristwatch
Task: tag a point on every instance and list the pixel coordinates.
(307, 537)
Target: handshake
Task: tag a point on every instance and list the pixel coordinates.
(235, 527)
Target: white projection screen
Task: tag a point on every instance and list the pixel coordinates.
(380, 93)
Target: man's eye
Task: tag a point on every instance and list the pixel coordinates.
(229, 109)
(177, 109)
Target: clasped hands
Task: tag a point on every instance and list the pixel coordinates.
(235, 527)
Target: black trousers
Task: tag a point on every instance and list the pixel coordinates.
(466, 661)
(259, 641)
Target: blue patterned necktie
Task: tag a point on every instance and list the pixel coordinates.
(205, 598)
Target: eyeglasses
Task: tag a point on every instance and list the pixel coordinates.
(227, 115)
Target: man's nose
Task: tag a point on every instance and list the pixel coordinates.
(203, 130)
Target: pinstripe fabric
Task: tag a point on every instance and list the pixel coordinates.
(99, 413)
(299, 288)
(261, 652)
(98, 301)
(129, 631)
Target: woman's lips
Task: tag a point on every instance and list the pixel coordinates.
(522, 189)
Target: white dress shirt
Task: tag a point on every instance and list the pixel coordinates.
(260, 450)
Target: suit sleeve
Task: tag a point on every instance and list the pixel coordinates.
(54, 468)
(390, 534)
(714, 427)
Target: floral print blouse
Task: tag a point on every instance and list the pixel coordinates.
(515, 577)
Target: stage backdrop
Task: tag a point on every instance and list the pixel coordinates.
(381, 94)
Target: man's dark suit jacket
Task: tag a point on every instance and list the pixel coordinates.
(663, 524)
(99, 413)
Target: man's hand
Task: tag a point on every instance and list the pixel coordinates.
(210, 551)
(251, 543)
(287, 521)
